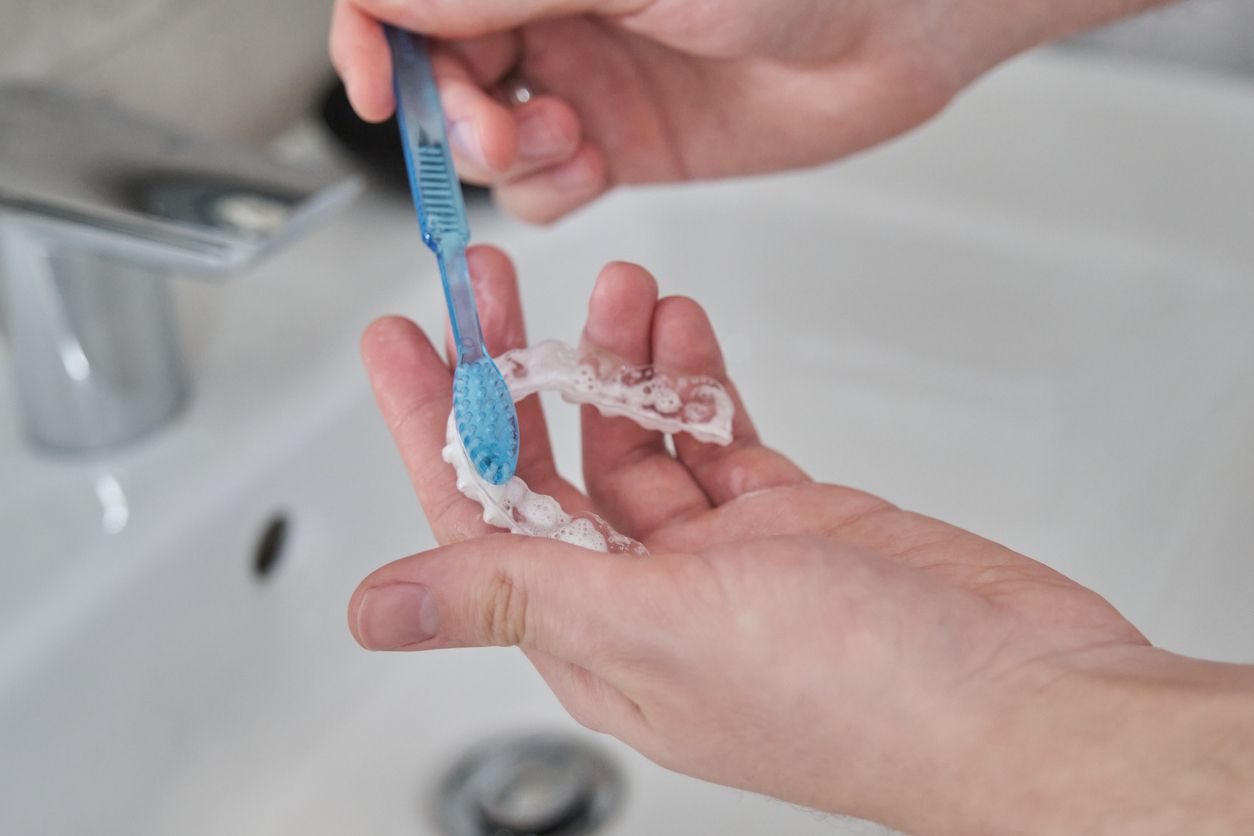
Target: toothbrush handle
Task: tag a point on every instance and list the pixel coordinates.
(414, 75)
(432, 178)
(462, 313)
(433, 181)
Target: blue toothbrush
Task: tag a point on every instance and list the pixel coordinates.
(482, 405)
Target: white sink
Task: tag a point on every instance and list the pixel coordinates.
(1031, 318)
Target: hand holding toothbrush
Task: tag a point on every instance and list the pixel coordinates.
(637, 91)
(807, 641)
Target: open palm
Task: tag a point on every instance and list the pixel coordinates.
(790, 637)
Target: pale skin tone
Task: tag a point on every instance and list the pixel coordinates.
(636, 91)
(804, 640)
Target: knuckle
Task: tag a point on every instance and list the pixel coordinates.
(505, 610)
(587, 720)
(445, 521)
(470, 171)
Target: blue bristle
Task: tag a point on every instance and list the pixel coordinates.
(486, 419)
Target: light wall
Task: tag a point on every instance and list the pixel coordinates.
(1213, 35)
(229, 68)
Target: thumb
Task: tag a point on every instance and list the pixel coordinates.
(500, 590)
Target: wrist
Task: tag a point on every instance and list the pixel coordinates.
(1116, 740)
(980, 39)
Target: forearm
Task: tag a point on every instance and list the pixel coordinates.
(1129, 740)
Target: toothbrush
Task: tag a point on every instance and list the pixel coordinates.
(482, 406)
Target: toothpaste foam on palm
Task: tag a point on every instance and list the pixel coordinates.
(654, 398)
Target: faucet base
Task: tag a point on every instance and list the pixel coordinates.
(93, 338)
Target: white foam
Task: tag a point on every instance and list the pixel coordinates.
(652, 397)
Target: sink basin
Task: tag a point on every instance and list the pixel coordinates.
(1031, 318)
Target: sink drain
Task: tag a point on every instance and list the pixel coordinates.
(533, 785)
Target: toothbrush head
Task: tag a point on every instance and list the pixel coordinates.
(486, 419)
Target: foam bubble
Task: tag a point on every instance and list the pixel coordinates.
(654, 398)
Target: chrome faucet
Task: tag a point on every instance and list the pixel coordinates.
(98, 209)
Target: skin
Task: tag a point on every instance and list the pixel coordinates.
(803, 640)
(638, 91)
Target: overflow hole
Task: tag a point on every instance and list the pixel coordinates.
(269, 549)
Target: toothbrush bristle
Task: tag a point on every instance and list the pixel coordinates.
(486, 419)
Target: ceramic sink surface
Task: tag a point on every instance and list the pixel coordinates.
(1031, 318)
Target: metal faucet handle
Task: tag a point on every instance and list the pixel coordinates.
(98, 207)
(197, 205)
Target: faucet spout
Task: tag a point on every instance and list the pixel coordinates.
(98, 209)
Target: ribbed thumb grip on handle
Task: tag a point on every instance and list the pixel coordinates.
(432, 178)
(440, 202)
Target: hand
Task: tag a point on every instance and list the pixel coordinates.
(637, 91)
(803, 640)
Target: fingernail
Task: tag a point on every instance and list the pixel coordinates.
(538, 138)
(462, 135)
(396, 616)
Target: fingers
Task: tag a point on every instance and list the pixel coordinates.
(533, 153)
(495, 283)
(488, 58)
(360, 55)
(555, 191)
(480, 129)
(628, 471)
(495, 145)
(503, 590)
(413, 387)
(501, 317)
(444, 19)
(684, 340)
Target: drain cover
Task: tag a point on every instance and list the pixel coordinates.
(533, 785)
